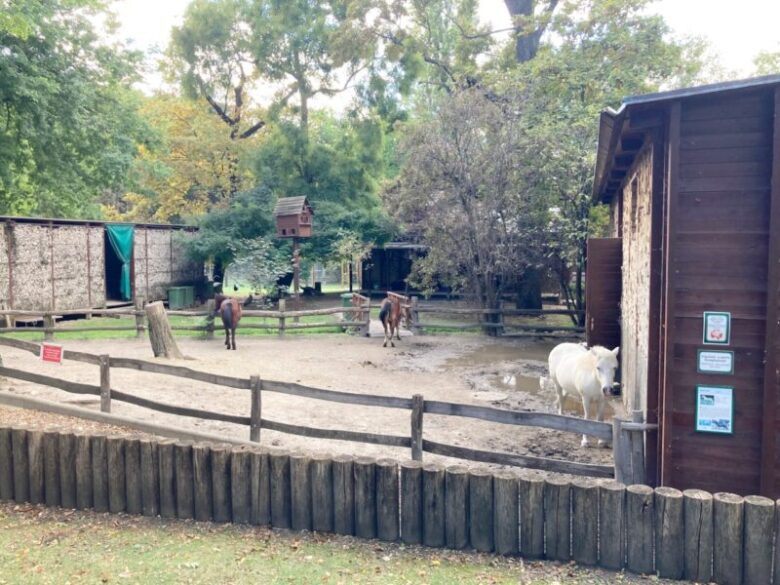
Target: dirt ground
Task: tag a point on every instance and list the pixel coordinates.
(459, 368)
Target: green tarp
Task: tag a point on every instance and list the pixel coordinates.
(121, 238)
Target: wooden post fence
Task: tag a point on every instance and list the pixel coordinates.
(105, 384)
(256, 387)
(139, 316)
(418, 408)
(282, 308)
(211, 310)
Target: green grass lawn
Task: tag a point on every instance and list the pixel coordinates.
(50, 546)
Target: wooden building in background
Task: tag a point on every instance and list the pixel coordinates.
(693, 180)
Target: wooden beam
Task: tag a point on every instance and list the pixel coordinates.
(770, 350)
(646, 120)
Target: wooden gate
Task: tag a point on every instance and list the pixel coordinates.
(603, 287)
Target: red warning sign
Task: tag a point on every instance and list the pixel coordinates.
(51, 353)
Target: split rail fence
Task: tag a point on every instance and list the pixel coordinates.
(627, 437)
(721, 538)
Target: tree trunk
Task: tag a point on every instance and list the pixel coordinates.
(529, 290)
(527, 41)
(160, 334)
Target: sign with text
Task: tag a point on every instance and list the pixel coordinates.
(711, 361)
(717, 328)
(51, 353)
(715, 409)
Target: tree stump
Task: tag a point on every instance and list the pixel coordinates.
(160, 333)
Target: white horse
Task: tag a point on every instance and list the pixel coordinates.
(587, 373)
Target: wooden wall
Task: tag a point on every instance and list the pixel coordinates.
(720, 153)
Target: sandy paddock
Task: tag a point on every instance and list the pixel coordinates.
(463, 369)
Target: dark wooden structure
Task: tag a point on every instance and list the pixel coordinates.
(293, 217)
(388, 267)
(693, 180)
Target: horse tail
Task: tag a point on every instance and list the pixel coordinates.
(227, 315)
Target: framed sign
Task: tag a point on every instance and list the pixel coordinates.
(717, 328)
(715, 409)
(713, 361)
(51, 353)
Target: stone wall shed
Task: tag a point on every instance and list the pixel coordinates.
(64, 264)
(693, 180)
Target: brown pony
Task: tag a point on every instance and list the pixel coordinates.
(230, 311)
(390, 314)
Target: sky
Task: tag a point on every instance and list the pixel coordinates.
(737, 32)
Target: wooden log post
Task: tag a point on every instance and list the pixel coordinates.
(51, 467)
(115, 457)
(365, 497)
(411, 502)
(67, 468)
(698, 536)
(48, 326)
(220, 483)
(241, 485)
(621, 452)
(557, 519)
(531, 496)
(322, 493)
(759, 528)
(387, 500)
(160, 333)
(640, 516)
(6, 466)
(415, 327)
(669, 533)
(637, 450)
(343, 495)
(139, 316)
(281, 513)
(99, 474)
(183, 480)
(211, 313)
(256, 408)
(167, 462)
(261, 488)
(728, 528)
(585, 521)
(506, 513)
(21, 465)
(133, 476)
(83, 467)
(456, 507)
(481, 510)
(150, 478)
(777, 544)
(612, 508)
(300, 492)
(282, 308)
(201, 474)
(105, 383)
(418, 408)
(365, 329)
(433, 505)
(37, 466)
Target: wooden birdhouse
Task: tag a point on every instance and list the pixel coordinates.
(293, 217)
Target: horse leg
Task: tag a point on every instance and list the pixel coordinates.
(233, 336)
(227, 338)
(398, 328)
(392, 327)
(586, 412)
(384, 326)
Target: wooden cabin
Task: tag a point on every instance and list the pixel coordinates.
(64, 264)
(689, 284)
(293, 217)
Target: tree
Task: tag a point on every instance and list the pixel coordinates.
(70, 127)
(349, 247)
(530, 19)
(767, 63)
(258, 262)
(464, 189)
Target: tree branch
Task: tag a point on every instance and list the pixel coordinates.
(249, 131)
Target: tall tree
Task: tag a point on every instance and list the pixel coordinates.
(530, 19)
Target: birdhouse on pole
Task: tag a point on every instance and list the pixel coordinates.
(293, 217)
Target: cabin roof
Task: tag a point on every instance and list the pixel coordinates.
(92, 222)
(615, 135)
(291, 206)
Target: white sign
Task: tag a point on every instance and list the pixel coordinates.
(715, 409)
(711, 361)
(717, 328)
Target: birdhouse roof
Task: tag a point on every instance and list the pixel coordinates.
(291, 206)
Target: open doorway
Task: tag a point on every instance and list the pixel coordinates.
(118, 250)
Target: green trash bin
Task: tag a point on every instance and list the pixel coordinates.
(346, 301)
(189, 296)
(176, 298)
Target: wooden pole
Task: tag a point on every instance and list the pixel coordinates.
(51, 466)
(621, 453)
(322, 493)
(296, 277)
(343, 495)
(612, 523)
(211, 309)
(759, 527)
(387, 500)
(66, 464)
(300, 492)
(585, 520)
(139, 316)
(35, 461)
(415, 315)
(83, 471)
(256, 386)
(201, 474)
(531, 496)
(21, 465)
(281, 513)
(48, 327)
(728, 528)
(220, 483)
(640, 515)
(261, 488)
(115, 457)
(241, 485)
(6, 466)
(637, 440)
(184, 480)
(433, 505)
(411, 502)
(456, 507)
(557, 518)
(365, 497)
(150, 477)
(481, 510)
(698, 537)
(282, 309)
(506, 513)
(167, 461)
(669, 533)
(99, 474)
(418, 408)
(105, 384)
(132, 476)
(160, 333)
